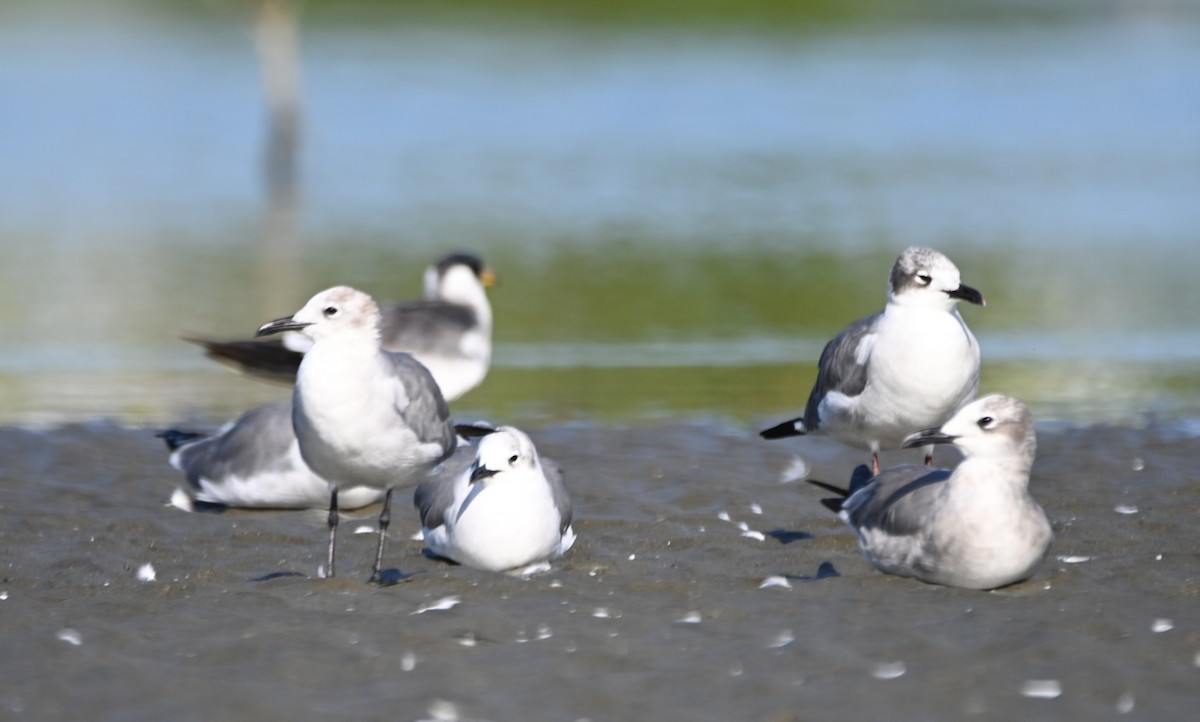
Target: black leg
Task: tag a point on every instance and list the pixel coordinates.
(385, 519)
(333, 525)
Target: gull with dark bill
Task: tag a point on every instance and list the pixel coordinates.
(363, 416)
(909, 367)
(975, 527)
(449, 331)
(253, 462)
(508, 510)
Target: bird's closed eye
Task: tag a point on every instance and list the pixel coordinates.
(925, 279)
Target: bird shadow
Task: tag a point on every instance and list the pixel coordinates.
(392, 577)
(278, 575)
(787, 536)
(825, 571)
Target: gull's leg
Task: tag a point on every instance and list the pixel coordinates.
(875, 463)
(333, 525)
(929, 455)
(385, 518)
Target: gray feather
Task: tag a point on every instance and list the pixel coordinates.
(257, 442)
(426, 327)
(558, 490)
(897, 501)
(426, 412)
(838, 369)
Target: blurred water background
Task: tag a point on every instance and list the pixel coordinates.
(683, 200)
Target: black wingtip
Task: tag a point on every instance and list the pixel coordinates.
(834, 505)
(175, 438)
(842, 493)
(792, 427)
(475, 430)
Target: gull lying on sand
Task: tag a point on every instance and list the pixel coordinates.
(976, 526)
(507, 510)
(253, 462)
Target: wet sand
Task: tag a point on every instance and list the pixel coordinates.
(657, 613)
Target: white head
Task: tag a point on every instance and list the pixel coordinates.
(925, 277)
(458, 278)
(504, 450)
(995, 426)
(338, 311)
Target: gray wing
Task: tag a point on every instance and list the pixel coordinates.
(426, 412)
(258, 441)
(897, 501)
(426, 327)
(838, 369)
(435, 494)
(558, 491)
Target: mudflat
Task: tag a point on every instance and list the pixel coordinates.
(703, 586)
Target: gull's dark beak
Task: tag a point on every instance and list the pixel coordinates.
(968, 294)
(479, 472)
(927, 437)
(279, 325)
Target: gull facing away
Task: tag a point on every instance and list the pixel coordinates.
(253, 462)
(508, 510)
(909, 367)
(449, 331)
(975, 527)
(363, 415)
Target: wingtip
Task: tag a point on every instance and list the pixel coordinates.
(175, 438)
(794, 427)
(834, 505)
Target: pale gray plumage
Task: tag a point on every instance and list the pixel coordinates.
(976, 526)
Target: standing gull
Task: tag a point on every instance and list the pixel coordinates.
(253, 462)
(909, 367)
(976, 527)
(449, 331)
(363, 416)
(507, 510)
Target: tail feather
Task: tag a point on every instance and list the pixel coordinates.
(265, 359)
(834, 504)
(792, 427)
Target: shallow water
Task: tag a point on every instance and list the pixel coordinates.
(685, 198)
(659, 612)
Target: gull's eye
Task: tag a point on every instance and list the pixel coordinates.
(986, 422)
(512, 459)
(330, 311)
(925, 279)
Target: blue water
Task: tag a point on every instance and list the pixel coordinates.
(1060, 163)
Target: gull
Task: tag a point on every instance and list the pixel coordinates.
(449, 331)
(975, 527)
(909, 367)
(363, 415)
(253, 462)
(507, 510)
